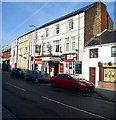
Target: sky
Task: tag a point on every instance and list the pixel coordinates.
(17, 16)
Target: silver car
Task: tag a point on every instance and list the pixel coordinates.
(37, 76)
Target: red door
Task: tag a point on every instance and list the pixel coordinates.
(92, 72)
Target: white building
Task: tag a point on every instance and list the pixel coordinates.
(61, 42)
(99, 60)
(13, 58)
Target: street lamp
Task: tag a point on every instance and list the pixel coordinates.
(34, 44)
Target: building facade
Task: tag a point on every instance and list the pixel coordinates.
(14, 53)
(23, 53)
(57, 46)
(61, 42)
(6, 54)
(99, 62)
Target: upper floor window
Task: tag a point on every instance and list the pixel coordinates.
(73, 42)
(67, 43)
(57, 29)
(70, 24)
(13, 52)
(44, 48)
(113, 51)
(93, 53)
(57, 46)
(20, 50)
(26, 49)
(46, 32)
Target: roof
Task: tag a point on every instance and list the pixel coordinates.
(107, 36)
(66, 16)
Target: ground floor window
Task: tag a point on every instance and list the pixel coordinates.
(110, 74)
(70, 67)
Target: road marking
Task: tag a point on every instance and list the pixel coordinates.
(75, 108)
(15, 86)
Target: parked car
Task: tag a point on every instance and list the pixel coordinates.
(72, 82)
(37, 76)
(17, 72)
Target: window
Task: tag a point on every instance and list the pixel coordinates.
(73, 42)
(14, 53)
(70, 24)
(67, 43)
(93, 53)
(113, 51)
(46, 32)
(20, 50)
(44, 47)
(110, 74)
(26, 50)
(57, 29)
(57, 46)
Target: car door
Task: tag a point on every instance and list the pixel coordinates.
(67, 81)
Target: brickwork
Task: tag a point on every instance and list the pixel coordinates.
(6, 54)
(96, 20)
(109, 85)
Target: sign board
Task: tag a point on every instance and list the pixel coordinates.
(78, 67)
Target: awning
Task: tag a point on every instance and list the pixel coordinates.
(51, 59)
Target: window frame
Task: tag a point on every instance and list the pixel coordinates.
(46, 32)
(71, 24)
(112, 51)
(94, 50)
(57, 30)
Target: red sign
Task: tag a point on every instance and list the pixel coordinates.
(37, 60)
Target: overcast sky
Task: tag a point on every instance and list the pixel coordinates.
(17, 16)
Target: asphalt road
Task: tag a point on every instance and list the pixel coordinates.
(26, 99)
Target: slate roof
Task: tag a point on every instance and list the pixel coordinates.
(66, 16)
(107, 36)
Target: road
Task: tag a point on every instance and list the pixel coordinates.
(26, 99)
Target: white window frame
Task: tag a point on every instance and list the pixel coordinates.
(73, 40)
(67, 42)
(56, 43)
(46, 32)
(71, 24)
(57, 30)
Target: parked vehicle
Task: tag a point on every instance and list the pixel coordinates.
(72, 82)
(37, 76)
(17, 72)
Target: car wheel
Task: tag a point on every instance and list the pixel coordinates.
(75, 88)
(36, 80)
(53, 84)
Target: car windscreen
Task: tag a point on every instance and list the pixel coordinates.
(77, 77)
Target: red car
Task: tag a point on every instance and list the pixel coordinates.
(72, 82)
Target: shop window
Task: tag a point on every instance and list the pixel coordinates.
(113, 51)
(110, 74)
(93, 53)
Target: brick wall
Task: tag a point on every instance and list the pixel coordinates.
(6, 54)
(96, 20)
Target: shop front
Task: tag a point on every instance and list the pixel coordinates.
(67, 63)
(107, 75)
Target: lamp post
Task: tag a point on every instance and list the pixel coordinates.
(34, 44)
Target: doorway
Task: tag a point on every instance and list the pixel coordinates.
(92, 73)
(56, 68)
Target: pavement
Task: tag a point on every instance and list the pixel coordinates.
(107, 94)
